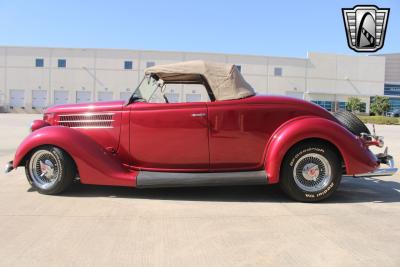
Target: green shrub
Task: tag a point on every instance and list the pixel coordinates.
(379, 120)
(380, 104)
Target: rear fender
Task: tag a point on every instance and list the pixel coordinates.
(357, 158)
(94, 164)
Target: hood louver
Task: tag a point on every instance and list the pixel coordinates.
(90, 120)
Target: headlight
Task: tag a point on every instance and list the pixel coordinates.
(37, 124)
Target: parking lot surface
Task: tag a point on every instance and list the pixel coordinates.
(218, 226)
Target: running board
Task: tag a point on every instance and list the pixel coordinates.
(146, 179)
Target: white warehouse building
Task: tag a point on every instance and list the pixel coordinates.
(32, 78)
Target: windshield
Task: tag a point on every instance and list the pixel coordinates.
(145, 90)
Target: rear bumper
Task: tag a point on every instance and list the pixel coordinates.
(383, 159)
(9, 167)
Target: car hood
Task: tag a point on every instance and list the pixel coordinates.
(87, 107)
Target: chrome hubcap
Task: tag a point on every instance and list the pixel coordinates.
(44, 169)
(312, 172)
(47, 169)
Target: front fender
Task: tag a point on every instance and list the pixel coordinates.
(357, 158)
(94, 164)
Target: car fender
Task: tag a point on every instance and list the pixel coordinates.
(357, 158)
(95, 165)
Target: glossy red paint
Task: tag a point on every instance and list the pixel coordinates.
(107, 137)
(37, 124)
(241, 129)
(95, 165)
(357, 158)
(173, 138)
(253, 133)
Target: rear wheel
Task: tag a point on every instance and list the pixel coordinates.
(50, 170)
(310, 172)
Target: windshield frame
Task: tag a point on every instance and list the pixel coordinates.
(202, 80)
(147, 78)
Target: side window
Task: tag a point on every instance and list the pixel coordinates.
(181, 93)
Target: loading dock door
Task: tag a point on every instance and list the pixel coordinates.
(17, 98)
(83, 96)
(193, 97)
(125, 95)
(39, 98)
(105, 96)
(60, 97)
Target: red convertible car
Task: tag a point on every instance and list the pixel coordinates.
(235, 137)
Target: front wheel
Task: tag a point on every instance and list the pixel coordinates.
(50, 170)
(310, 172)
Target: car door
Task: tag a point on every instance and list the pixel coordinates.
(169, 136)
(238, 135)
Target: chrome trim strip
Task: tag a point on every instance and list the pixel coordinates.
(88, 121)
(84, 114)
(378, 172)
(91, 127)
(147, 179)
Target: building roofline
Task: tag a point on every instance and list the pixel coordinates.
(175, 51)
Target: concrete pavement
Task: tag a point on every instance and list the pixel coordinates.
(221, 226)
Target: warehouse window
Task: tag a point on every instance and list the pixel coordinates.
(239, 67)
(39, 62)
(325, 104)
(363, 108)
(150, 64)
(62, 63)
(128, 65)
(392, 89)
(342, 105)
(394, 103)
(278, 71)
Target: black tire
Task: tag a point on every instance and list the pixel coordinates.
(351, 122)
(295, 178)
(47, 159)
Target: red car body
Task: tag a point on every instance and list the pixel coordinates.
(236, 138)
(248, 134)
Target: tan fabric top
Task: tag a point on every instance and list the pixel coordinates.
(225, 80)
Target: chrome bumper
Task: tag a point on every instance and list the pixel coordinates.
(385, 159)
(9, 167)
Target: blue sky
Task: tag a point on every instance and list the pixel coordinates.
(284, 28)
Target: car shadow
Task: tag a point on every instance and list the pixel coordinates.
(351, 190)
(218, 193)
(366, 189)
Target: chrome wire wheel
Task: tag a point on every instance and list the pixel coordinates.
(312, 172)
(44, 169)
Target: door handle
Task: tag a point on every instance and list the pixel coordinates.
(198, 114)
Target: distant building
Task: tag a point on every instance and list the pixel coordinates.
(32, 78)
(392, 79)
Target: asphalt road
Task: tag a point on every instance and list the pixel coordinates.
(222, 226)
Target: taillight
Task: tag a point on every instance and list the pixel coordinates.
(372, 140)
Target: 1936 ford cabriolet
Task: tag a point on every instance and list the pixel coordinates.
(234, 138)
